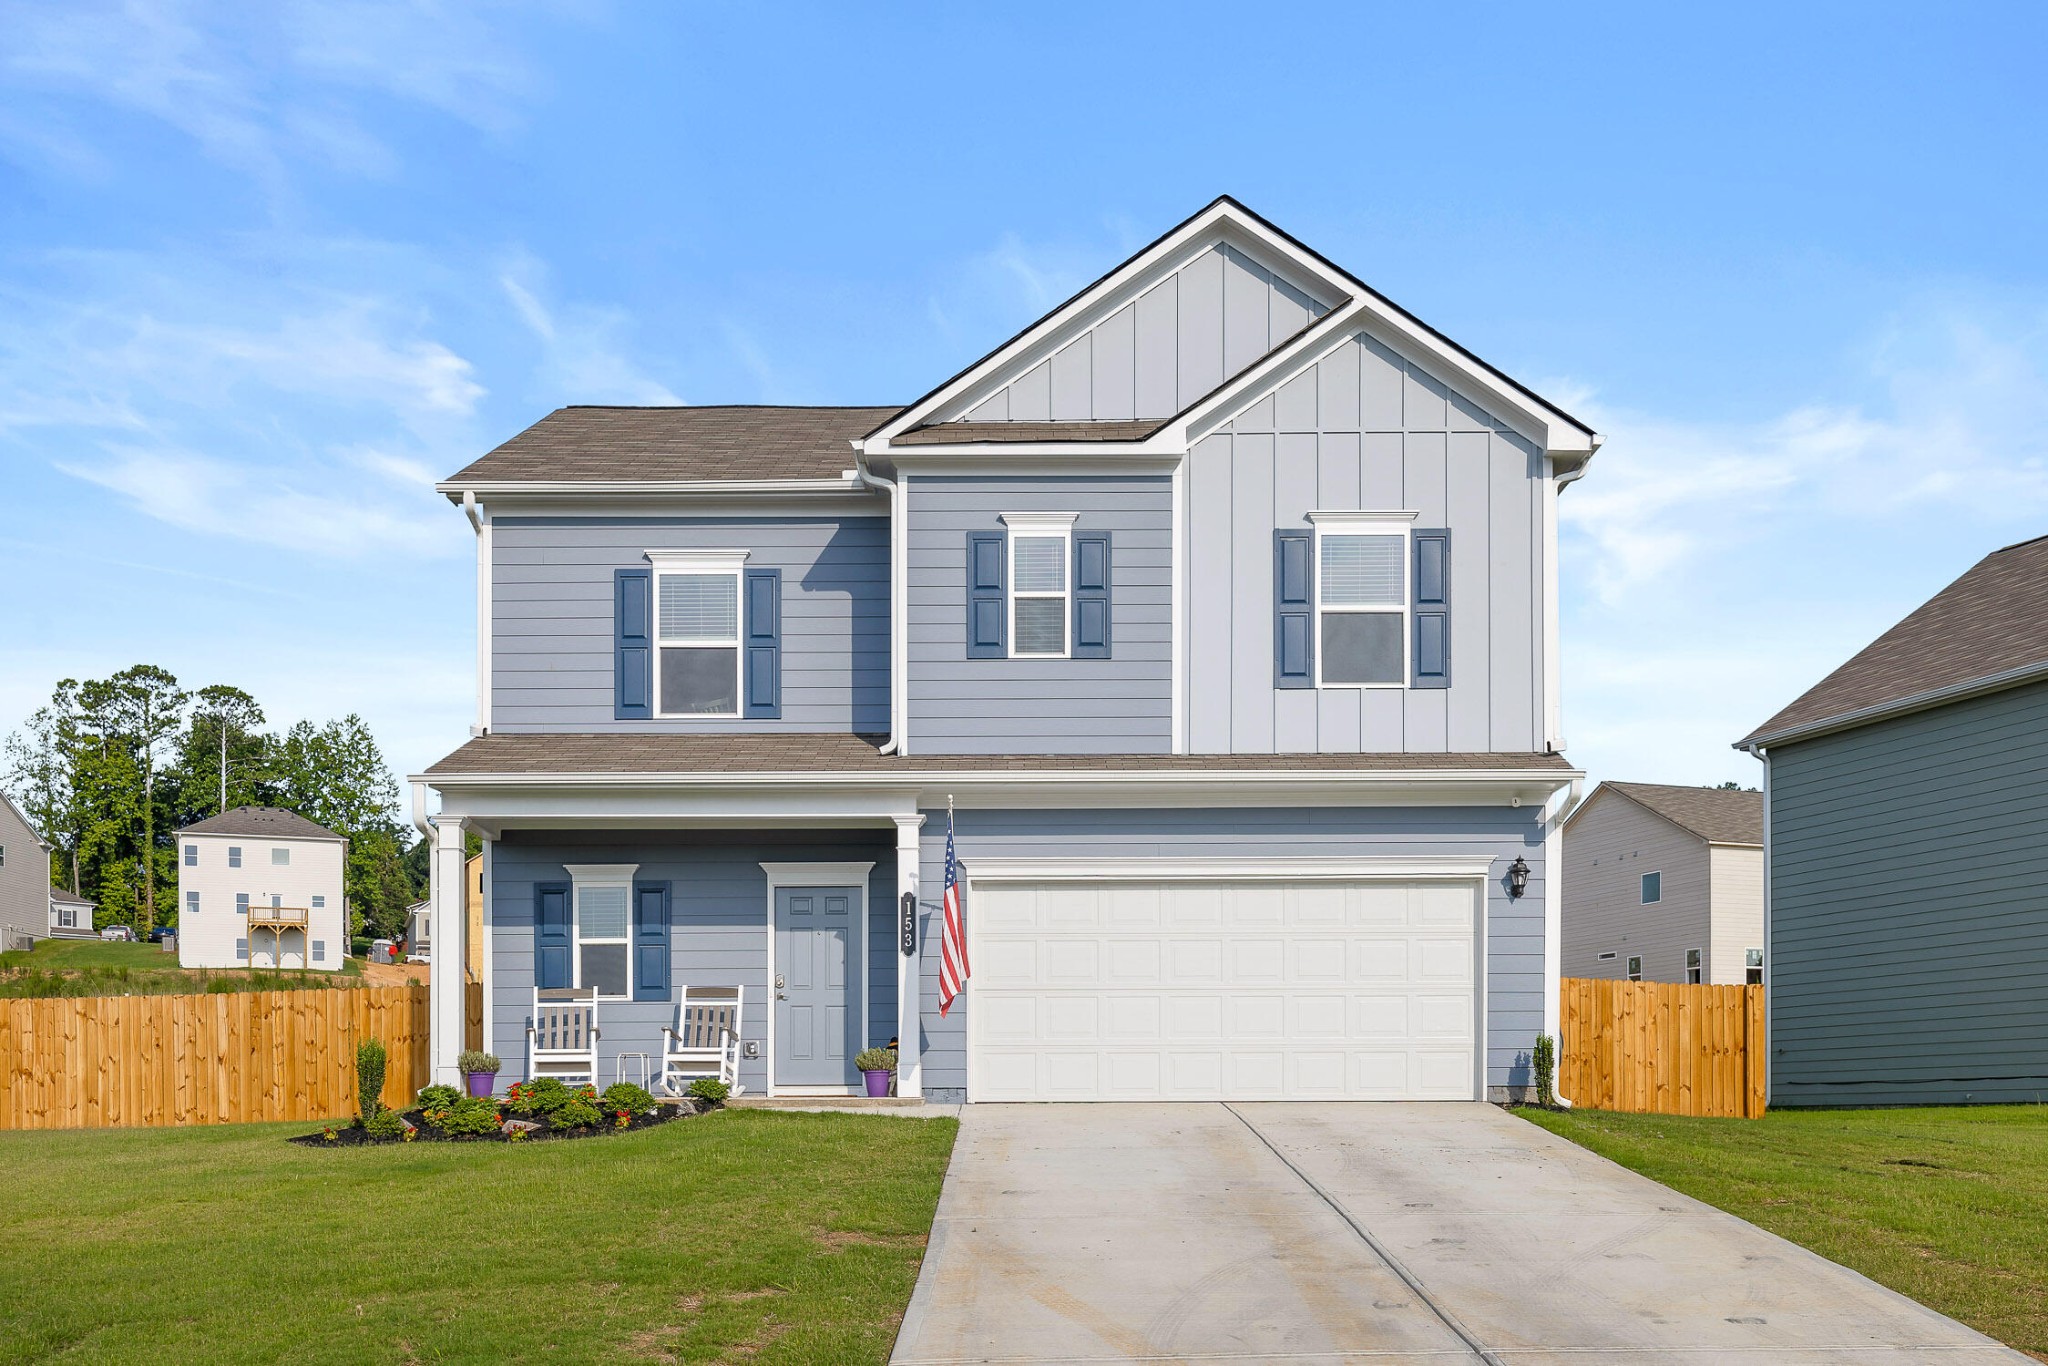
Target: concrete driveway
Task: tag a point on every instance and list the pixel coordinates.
(1363, 1233)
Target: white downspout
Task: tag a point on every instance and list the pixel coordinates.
(1553, 927)
(480, 522)
(899, 629)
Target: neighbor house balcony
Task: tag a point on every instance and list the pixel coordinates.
(280, 917)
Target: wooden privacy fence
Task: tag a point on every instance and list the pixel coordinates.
(90, 1062)
(1662, 1047)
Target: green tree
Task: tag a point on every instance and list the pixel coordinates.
(379, 888)
(147, 709)
(39, 773)
(223, 755)
(335, 775)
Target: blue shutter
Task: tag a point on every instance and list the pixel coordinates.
(764, 644)
(553, 964)
(1091, 596)
(1432, 609)
(1294, 604)
(986, 611)
(650, 941)
(633, 644)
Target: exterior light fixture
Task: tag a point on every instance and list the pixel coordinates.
(1518, 878)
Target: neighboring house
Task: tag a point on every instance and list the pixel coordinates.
(1907, 800)
(419, 931)
(259, 886)
(1665, 884)
(1220, 604)
(419, 920)
(24, 879)
(70, 916)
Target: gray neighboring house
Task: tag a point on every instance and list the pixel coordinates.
(70, 916)
(1211, 621)
(1665, 884)
(24, 879)
(1907, 801)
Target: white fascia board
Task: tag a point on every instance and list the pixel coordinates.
(1460, 867)
(696, 488)
(1014, 458)
(839, 503)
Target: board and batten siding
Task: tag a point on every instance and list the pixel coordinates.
(1608, 847)
(1119, 705)
(1362, 429)
(552, 617)
(1909, 934)
(1162, 351)
(718, 929)
(1513, 989)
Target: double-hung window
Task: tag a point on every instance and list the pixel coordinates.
(191, 903)
(234, 856)
(280, 857)
(603, 927)
(1635, 969)
(1753, 966)
(1653, 888)
(1041, 548)
(1695, 966)
(697, 632)
(191, 856)
(67, 918)
(1362, 566)
(241, 903)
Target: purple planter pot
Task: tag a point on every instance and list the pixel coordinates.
(878, 1083)
(480, 1083)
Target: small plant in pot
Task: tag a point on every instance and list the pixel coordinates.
(877, 1065)
(480, 1068)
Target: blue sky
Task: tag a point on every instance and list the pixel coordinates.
(266, 271)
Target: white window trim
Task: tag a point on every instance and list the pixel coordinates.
(1634, 968)
(1609, 956)
(1657, 873)
(590, 875)
(67, 917)
(706, 562)
(191, 856)
(1695, 962)
(1366, 524)
(1041, 524)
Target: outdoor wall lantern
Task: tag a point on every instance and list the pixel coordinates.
(1518, 878)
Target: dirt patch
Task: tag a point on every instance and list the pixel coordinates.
(652, 1344)
(396, 974)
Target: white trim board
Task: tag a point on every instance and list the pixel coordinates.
(853, 875)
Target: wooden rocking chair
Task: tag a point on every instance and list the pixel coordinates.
(705, 1041)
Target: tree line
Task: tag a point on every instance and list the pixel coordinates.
(110, 768)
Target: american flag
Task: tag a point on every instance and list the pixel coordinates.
(953, 947)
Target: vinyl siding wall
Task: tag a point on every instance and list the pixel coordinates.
(25, 879)
(1514, 965)
(207, 940)
(552, 617)
(718, 928)
(1364, 430)
(1737, 876)
(1119, 705)
(1909, 920)
(1607, 848)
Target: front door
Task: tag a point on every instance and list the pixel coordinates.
(814, 1020)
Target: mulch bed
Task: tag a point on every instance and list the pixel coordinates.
(352, 1135)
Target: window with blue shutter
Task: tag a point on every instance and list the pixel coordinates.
(986, 608)
(650, 941)
(1432, 609)
(764, 644)
(633, 646)
(1091, 595)
(1294, 660)
(553, 961)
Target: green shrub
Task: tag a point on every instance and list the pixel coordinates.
(624, 1095)
(370, 1060)
(542, 1096)
(579, 1113)
(710, 1089)
(385, 1124)
(471, 1060)
(438, 1097)
(876, 1060)
(1545, 1061)
(469, 1115)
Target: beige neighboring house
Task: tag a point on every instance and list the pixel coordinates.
(260, 886)
(419, 921)
(24, 879)
(70, 915)
(1665, 884)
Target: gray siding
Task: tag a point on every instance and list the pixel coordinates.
(1119, 705)
(1514, 940)
(1608, 847)
(719, 929)
(1909, 949)
(25, 879)
(1159, 353)
(1364, 430)
(551, 617)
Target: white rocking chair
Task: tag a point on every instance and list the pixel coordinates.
(562, 1034)
(705, 1041)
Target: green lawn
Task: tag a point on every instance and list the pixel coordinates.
(97, 967)
(741, 1235)
(1947, 1206)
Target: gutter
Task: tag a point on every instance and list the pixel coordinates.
(1901, 706)
(899, 627)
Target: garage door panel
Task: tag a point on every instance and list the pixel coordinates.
(1257, 960)
(1319, 1017)
(1072, 962)
(1136, 962)
(1192, 908)
(1257, 1017)
(1194, 961)
(1005, 962)
(1071, 908)
(1133, 1017)
(1380, 958)
(1379, 1017)
(1132, 908)
(1317, 960)
(1194, 1016)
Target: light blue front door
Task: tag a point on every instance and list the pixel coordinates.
(814, 996)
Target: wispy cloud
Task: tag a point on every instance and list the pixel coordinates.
(583, 355)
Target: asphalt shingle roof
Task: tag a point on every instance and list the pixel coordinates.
(709, 443)
(1992, 620)
(1715, 814)
(273, 821)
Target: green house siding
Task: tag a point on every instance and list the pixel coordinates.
(1909, 909)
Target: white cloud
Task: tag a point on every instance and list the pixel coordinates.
(582, 357)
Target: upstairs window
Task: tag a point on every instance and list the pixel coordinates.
(1653, 888)
(241, 903)
(697, 633)
(191, 856)
(234, 856)
(191, 903)
(280, 857)
(1695, 969)
(1635, 969)
(1361, 601)
(1040, 548)
(319, 903)
(1753, 967)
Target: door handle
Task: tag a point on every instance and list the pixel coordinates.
(782, 996)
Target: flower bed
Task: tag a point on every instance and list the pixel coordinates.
(531, 1112)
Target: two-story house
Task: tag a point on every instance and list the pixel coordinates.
(261, 887)
(24, 879)
(1217, 613)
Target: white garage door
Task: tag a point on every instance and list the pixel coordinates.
(1121, 990)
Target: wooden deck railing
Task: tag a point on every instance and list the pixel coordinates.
(1662, 1047)
(280, 917)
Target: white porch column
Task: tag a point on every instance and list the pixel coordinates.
(451, 933)
(909, 1053)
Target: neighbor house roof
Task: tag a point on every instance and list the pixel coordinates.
(60, 897)
(579, 753)
(1716, 814)
(1987, 629)
(719, 444)
(272, 821)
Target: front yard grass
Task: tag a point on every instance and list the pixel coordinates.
(1948, 1206)
(740, 1235)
